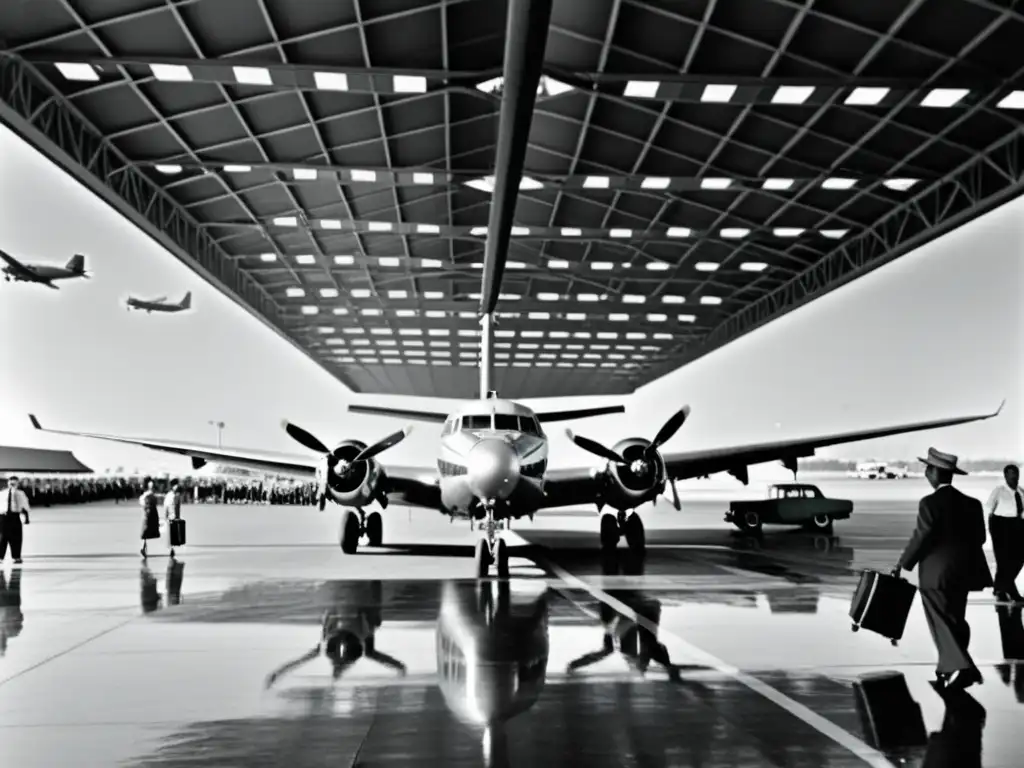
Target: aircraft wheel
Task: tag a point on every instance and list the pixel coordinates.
(349, 532)
(322, 502)
(636, 538)
(609, 532)
(501, 558)
(482, 559)
(375, 529)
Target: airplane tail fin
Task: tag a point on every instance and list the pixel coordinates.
(187, 301)
(76, 264)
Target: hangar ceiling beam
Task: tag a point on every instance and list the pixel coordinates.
(526, 37)
(986, 181)
(40, 115)
(488, 84)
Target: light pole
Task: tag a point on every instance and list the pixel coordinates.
(219, 426)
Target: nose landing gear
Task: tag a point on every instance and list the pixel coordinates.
(355, 523)
(491, 549)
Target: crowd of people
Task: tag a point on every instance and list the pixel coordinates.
(48, 491)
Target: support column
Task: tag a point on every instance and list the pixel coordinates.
(486, 353)
(526, 35)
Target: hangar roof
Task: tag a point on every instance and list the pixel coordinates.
(690, 171)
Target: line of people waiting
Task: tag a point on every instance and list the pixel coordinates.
(48, 491)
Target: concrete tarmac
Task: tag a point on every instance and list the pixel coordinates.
(717, 650)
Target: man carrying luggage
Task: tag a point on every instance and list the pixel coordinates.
(1005, 508)
(947, 543)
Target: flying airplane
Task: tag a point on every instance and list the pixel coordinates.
(42, 273)
(492, 467)
(159, 305)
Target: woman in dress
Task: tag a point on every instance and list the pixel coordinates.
(150, 516)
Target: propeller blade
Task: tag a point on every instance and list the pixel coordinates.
(322, 471)
(670, 427)
(595, 447)
(303, 437)
(675, 495)
(379, 447)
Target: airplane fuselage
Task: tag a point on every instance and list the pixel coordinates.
(493, 454)
(142, 305)
(43, 274)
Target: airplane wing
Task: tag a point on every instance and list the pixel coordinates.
(411, 486)
(298, 466)
(21, 269)
(579, 486)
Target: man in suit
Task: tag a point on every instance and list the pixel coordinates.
(947, 543)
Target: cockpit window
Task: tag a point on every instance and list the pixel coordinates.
(528, 425)
(477, 422)
(449, 427)
(506, 421)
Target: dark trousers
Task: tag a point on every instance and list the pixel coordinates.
(10, 533)
(1008, 546)
(946, 612)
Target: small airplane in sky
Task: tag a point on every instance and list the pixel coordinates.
(159, 305)
(492, 468)
(42, 273)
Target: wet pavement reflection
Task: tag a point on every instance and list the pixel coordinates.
(114, 662)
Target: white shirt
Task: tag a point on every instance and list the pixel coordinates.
(172, 504)
(19, 502)
(1001, 503)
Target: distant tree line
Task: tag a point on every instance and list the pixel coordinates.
(821, 464)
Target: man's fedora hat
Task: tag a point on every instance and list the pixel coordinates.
(941, 460)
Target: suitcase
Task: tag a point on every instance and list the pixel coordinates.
(177, 527)
(890, 717)
(882, 604)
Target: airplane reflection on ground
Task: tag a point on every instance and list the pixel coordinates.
(347, 634)
(634, 641)
(512, 677)
(492, 657)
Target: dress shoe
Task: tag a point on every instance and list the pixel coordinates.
(963, 679)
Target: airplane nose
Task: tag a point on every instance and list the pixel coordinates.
(492, 469)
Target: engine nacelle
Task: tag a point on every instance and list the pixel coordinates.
(638, 480)
(350, 484)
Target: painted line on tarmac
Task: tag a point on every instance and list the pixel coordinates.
(821, 724)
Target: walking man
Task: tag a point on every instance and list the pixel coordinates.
(947, 543)
(1005, 507)
(13, 502)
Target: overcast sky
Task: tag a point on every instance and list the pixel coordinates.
(937, 333)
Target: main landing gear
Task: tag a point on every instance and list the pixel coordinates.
(356, 523)
(626, 524)
(491, 549)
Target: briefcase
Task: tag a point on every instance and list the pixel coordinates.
(882, 604)
(177, 532)
(890, 717)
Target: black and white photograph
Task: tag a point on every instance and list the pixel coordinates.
(511, 383)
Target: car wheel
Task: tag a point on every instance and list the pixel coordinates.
(822, 522)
